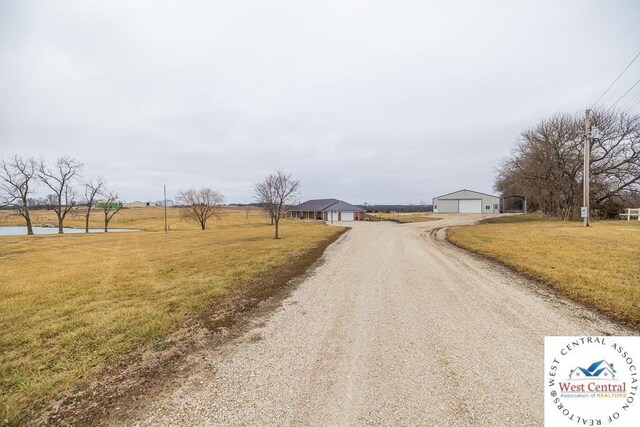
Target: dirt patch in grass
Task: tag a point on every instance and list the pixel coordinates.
(597, 266)
(145, 372)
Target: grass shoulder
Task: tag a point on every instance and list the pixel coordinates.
(597, 265)
(518, 218)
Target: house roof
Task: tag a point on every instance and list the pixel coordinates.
(322, 205)
(343, 206)
(314, 205)
(464, 189)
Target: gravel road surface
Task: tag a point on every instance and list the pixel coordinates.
(396, 327)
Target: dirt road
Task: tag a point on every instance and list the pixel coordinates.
(396, 327)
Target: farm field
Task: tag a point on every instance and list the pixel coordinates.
(147, 219)
(72, 306)
(597, 266)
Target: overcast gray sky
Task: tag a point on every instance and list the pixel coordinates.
(366, 101)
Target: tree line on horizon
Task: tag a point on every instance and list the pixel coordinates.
(546, 164)
(63, 178)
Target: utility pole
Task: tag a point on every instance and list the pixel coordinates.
(587, 164)
(165, 207)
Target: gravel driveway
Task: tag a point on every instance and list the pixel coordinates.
(396, 327)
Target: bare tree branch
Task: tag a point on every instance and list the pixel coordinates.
(110, 206)
(201, 204)
(546, 164)
(92, 189)
(59, 178)
(274, 193)
(16, 181)
(265, 196)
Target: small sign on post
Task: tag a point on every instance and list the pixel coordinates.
(583, 212)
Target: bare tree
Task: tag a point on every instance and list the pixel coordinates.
(200, 204)
(110, 206)
(16, 179)
(59, 178)
(92, 189)
(615, 155)
(265, 196)
(277, 190)
(546, 164)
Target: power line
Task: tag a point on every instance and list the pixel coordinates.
(631, 99)
(623, 95)
(617, 78)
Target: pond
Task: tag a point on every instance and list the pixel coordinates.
(19, 231)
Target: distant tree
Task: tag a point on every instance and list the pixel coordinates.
(59, 178)
(277, 191)
(92, 189)
(110, 206)
(425, 206)
(16, 182)
(38, 203)
(200, 204)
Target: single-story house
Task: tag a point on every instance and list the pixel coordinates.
(326, 210)
(466, 201)
(137, 204)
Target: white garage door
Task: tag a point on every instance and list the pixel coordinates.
(346, 216)
(470, 206)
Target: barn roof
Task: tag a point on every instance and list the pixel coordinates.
(321, 205)
(464, 189)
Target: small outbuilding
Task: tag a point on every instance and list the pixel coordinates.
(466, 201)
(137, 204)
(326, 210)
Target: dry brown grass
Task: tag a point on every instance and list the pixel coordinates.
(407, 217)
(148, 219)
(72, 305)
(599, 265)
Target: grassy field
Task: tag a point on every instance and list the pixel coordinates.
(599, 265)
(147, 219)
(407, 217)
(73, 305)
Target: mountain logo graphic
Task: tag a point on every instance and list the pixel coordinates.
(599, 370)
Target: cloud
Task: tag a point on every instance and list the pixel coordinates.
(385, 102)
